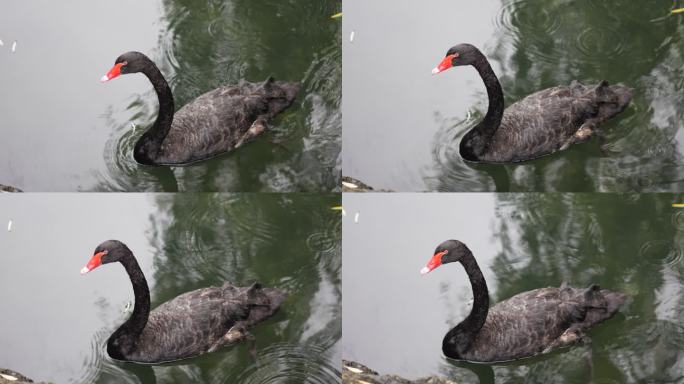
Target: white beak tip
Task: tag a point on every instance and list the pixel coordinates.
(424, 270)
(435, 71)
(104, 78)
(84, 270)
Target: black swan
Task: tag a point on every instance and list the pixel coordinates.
(540, 124)
(214, 123)
(524, 325)
(191, 324)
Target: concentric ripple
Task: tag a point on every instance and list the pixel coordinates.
(678, 220)
(449, 169)
(283, 363)
(661, 252)
(531, 31)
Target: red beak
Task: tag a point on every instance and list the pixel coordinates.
(114, 72)
(94, 262)
(444, 65)
(435, 262)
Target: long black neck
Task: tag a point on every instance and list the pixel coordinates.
(148, 147)
(492, 119)
(459, 339)
(122, 341)
(474, 145)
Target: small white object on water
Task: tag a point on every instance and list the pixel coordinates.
(8, 377)
(127, 308)
(349, 185)
(355, 370)
(344, 213)
(1, 43)
(356, 217)
(14, 46)
(351, 36)
(9, 226)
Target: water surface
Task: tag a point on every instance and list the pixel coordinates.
(395, 319)
(62, 130)
(55, 322)
(402, 125)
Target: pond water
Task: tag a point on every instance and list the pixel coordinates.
(402, 126)
(395, 319)
(55, 322)
(62, 130)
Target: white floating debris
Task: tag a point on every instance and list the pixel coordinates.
(127, 308)
(8, 377)
(9, 226)
(1, 43)
(344, 213)
(351, 36)
(349, 185)
(14, 46)
(356, 217)
(353, 369)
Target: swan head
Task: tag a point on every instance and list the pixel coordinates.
(129, 62)
(447, 252)
(108, 252)
(462, 54)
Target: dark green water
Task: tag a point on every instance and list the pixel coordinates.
(55, 322)
(630, 243)
(64, 131)
(402, 126)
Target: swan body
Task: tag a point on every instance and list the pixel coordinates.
(525, 325)
(542, 123)
(188, 325)
(216, 122)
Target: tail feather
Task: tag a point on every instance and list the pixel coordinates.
(264, 302)
(610, 99)
(601, 304)
(280, 95)
(604, 93)
(614, 300)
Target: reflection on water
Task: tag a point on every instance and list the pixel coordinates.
(532, 45)
(630, 243)
(541, 44)
(183, 242)
(204, 46)
(68, 132)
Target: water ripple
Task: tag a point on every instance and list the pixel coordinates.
(660, 252)
(286, 363)
(678, 220)
(532, 31)
(448, 168)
